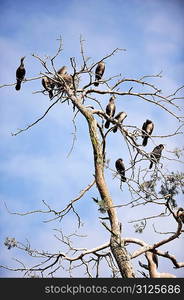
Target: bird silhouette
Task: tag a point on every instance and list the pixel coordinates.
(180, 214)
(147, 129)
(120, 168)
(20, 74)
(156, 154)
(48, 85)
(110, 110)
(99, 72)
(119, 117)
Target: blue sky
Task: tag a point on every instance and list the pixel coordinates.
(34, 165)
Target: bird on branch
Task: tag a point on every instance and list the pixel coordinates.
(48, 85)
(110, 110)
(99, 72)
(156, 155)
(180, 214)
(147, 130)
(65, 78)
(20, 74)
(119, 117)
(120, 168)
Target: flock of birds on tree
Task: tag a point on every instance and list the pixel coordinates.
(49, 85)
(147, 127)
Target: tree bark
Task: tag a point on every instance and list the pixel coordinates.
(118, 249)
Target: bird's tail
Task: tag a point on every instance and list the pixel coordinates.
(115, 129)
(94, 199)
(151, 165)
(18, 85)
(145, 141)
(123, 178)
(51, 94)
(107, 123)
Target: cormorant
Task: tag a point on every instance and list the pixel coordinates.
(156, 154)
(110, 110)
(147, 129)
(180, 214)
(119, 117)
(99, 72)
(120, 168)
(48, 84)
(20, 74)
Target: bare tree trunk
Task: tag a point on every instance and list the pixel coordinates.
(118, 249)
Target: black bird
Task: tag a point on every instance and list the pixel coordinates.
(110, 110)
(180, 214)
(156, 154)
(120, 168)
(99, 72)
(147, 129)
(20, 74)
(119, 117)
(48, 85)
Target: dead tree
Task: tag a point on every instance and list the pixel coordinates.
(67, 87)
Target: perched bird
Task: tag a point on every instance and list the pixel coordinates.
(156, 154)
(180, 214)
(48, 85)
(99, 72)
(62, 70)
(147, 129)
(119, 117)
(120, 168)
(20, 74)
(110, 110)
(65, 77)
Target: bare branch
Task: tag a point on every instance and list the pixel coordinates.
(37, 121)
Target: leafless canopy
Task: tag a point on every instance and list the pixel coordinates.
(159, 190)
